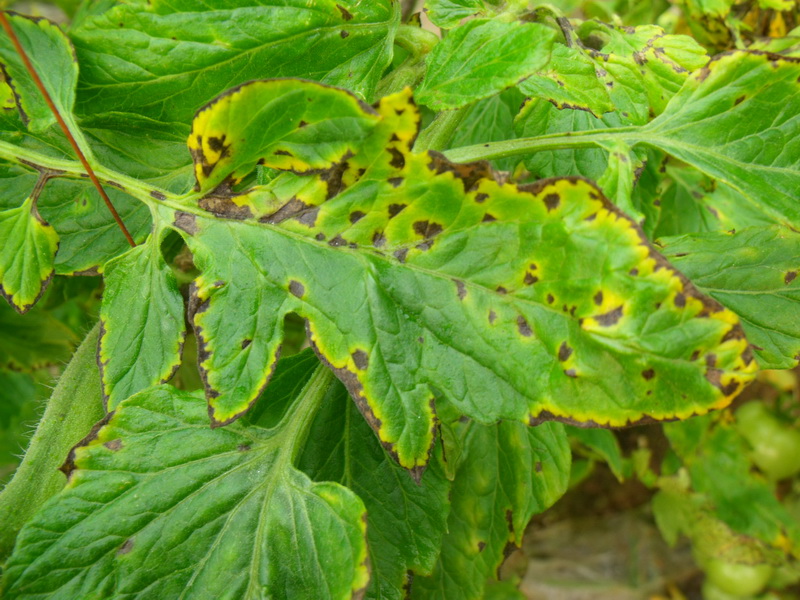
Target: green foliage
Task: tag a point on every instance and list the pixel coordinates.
(277, 174)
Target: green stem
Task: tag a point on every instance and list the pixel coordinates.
(73, 408)
(438, 134)
(416, 40)
(558, 141)
(294, 430)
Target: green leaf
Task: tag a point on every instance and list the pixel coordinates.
(167, 58)
(544, 301)
(405, 520)
(88, 235)
(540, 117)
(634, 71)
(140, 343)
(754, 272)
(509, 472)
(449, 13)
(34, 341)
(27, 255)
(480, 59)
(490, 120)
(619, 178)
(53, 58)
(724, 122)
(605, 444)
(157, 501)
(716, 457)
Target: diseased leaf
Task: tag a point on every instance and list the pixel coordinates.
(632, 70)
(562, 309)
(754, 272)
(157, 501)
(725, 122)
(619, 178)
(480, 59)
(53, 58)
(405, 520)
(33, 341)
(317, 127)
(723, 472)
(142, 323)
(26, 255)
(125, 69)
(508, 473)
(448, 13)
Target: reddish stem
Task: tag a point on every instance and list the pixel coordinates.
(46, 95)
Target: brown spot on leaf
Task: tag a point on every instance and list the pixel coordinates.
(481, 198)
(523, 327)
(427, 229)
(564, 352)
(244, 447)
(530, 278)
(481, 546)
(680, 300)
(714, 377)
(501, 290)
(378, 239)
(345, 13)
(113, 445)
(344, 34)
(538, 466)
(126, 547)
(571, 373)
(487, 218)
(492, 317)
(185, 222)
(337, 242)
(320, 237)
(648, 374)
(551, 201)
(790, 277)
(297, 289)
(157, 195)
(356, 216)
(610, 318)
(395, 181)
(711, 360)
(401, 254)
(550, 298)
(598, 298)
(394, 209)
(246, 342)
(282, 153)
(360, 359)
(461, 289)
(398, 159)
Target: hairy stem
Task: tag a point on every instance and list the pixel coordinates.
(558, 141)
(4, 22)
(73, 408)
(438, 134)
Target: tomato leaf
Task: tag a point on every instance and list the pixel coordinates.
(387, 234)
(448, 13)
(508, 473)
(211, 513)
(725, 123)
(754, 272)
(140, 343)
(481, 58)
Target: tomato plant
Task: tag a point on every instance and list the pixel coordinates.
(361, 277)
